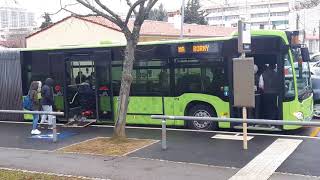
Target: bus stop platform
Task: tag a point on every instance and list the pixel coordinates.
(185, 149)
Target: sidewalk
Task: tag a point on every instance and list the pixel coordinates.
(190, 155)
(120, 168)
(108, 167)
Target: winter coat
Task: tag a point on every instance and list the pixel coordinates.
(47, 93)
(33, 94)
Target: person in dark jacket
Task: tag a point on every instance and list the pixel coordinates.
(269, 84)
(47, 102)
(33, 94)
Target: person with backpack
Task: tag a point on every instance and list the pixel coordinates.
(34, 105)
(47, 102)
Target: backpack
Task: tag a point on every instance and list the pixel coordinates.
(27, 104)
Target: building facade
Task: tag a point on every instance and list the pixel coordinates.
(16, 18)
(96, 30)
(268, 14)
(15, 24)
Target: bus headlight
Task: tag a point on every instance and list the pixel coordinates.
(299, 115)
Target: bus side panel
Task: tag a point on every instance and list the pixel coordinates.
(141, 108)
(289, 108)
(221, 107)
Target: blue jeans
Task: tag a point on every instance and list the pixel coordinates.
(35, 121)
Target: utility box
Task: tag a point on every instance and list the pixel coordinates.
(243, 82)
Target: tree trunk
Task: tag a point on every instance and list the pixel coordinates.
(119, 129)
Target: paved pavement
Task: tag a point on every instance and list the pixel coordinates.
(190, 155)
(108, 167)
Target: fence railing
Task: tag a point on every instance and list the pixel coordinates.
(164, 118)
(54, 123)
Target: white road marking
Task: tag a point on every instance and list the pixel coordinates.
(230, 137)
(267, 162)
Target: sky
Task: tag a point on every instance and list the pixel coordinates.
(52, 6)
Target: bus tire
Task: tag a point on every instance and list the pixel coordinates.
(202, 110)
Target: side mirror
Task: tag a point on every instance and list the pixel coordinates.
(305, 54)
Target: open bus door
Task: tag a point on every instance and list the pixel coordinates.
(88, 92)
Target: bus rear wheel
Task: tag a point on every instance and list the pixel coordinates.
(202, 111)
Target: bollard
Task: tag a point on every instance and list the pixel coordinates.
(164, 135)
(54, 130)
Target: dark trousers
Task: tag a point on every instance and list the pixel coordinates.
(254, 113)
(257, 106)
(269, 106)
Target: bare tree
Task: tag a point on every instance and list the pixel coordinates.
(140, 9)
(307, 4)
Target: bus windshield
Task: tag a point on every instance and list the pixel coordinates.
(302, 73)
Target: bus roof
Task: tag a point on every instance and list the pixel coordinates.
(277, 33)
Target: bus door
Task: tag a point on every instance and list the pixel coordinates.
(80, 95)
(102, 82)
(57, 73)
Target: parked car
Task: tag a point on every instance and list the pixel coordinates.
(314, 58)
(315, 80)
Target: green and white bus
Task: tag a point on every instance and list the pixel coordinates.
(184, 77)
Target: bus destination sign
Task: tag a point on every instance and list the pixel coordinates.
(198, 48)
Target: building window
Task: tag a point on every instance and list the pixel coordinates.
(4, 19)
(232, 17)
(14, 18)
(279, 14)
(262, 6)
(279, 5)
(259, 15)
(215, 18)
(30, 19)
(231, 9)
(22, 19)
(277, 23)
(259, 23)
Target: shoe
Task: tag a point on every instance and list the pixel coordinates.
(50, 127)
(35, 132)
(43, 122)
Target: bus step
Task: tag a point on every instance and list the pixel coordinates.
(79, 124)
(259, 128)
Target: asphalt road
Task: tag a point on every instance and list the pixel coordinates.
(218, 157)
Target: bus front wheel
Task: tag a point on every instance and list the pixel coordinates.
(202, 111)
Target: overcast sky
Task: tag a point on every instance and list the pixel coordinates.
(51, 6)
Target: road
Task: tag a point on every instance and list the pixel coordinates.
(295, 153)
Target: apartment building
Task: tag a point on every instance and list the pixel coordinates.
(273, 14)
(16, 18)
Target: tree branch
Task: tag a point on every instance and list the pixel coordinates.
(150, 5)
(113, 14)
(130, 5)
(132, 9)
(112, 17)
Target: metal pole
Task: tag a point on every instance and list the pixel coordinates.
(31, 112)
(297, 21)
(182, 19)
(269, 19)
(54, 122)
(245, 129)
(164, 135)
(319, 36)
(54, 130)
(238, 120)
